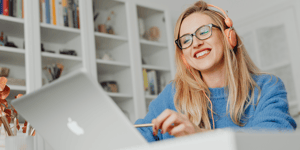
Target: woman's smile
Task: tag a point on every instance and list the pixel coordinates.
(202, 53)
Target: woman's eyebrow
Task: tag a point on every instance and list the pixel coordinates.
(193, 31)
(180, 35)
(186, 34)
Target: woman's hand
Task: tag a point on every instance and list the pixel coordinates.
(175, 124)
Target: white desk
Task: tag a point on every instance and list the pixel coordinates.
(228, 140)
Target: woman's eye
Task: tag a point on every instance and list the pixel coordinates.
(204, 32)
(186, 41)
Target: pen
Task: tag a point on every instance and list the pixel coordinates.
(143, 125)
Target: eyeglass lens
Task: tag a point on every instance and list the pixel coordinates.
(201, 33)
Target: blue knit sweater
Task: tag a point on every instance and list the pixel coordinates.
(270, 113)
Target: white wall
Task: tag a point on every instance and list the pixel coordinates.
(240, 9)
(237, 9)
(175, 7)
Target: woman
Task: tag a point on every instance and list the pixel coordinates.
(214, 74)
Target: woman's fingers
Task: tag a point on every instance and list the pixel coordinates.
(178, 130)
(154, 127)
(173, 120)
(162, 117)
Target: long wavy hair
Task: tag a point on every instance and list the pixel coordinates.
(189, 98)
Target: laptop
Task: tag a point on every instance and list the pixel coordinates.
(75, 113)
(228, 139)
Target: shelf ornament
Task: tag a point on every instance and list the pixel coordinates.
(153, 34)
(107, 26)
(141, 27)
(1, 39)
(108, 23)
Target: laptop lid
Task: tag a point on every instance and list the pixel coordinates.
(75, 113)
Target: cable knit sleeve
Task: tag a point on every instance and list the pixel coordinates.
(272, 111)
(163, 101)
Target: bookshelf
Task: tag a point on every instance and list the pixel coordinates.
(57, 38)
(115, 56)
(156, 53)
(57, 34)
(125, 48)
(17, 24)
(11, 57)
(116, 67)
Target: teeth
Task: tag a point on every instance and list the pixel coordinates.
(202, 53)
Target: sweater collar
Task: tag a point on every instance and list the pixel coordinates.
(217, 92)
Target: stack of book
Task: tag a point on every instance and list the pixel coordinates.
(13, 8)
(153, 82)
(60, 12)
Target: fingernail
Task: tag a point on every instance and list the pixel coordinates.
(161, 132)
(155, 128)
(153, 133)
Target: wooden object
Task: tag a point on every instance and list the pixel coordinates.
(5, 123)
(102, 28)
(4, 72)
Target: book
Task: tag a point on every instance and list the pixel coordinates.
(5, 7)
(19, 8)
(44, 11)
(22, 8)
(65, 13)
(78, 18)
(53, 12)
(59, 14)
(1, 7)
(145, 77)
(161, 82)
(70, 14)
(14, 13)
(47, 11)
(10, 7)
(41, 10)
(152, 82)
(50, 9)
(74, 12)
(57, 11)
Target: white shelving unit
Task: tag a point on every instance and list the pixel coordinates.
(13, 58)
(57, 38)
(117, 47)
(156, 54)
(125, 47)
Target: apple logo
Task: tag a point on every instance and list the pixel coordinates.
(74, 127)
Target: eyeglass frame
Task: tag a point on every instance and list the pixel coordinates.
(194, 34)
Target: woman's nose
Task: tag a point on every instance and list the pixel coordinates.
(196, 42)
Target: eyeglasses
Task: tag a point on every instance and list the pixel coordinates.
(202, 33)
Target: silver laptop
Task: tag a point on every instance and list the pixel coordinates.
(75, 113)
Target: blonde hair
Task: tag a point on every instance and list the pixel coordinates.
(190, 99)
